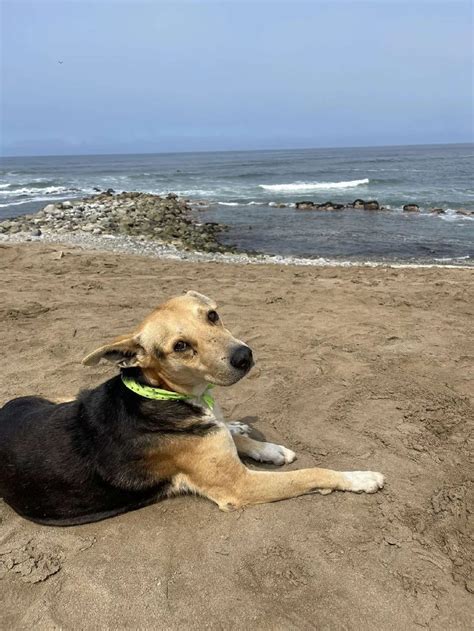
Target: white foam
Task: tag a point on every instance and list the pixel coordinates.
(26, 201)
(452, 258)
(228, 204)
(301, 187)
(34, 190)
(39, 198)
(452, 215)
(188, 193)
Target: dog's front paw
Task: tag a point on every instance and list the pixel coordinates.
(363, 481)
(273, 454)
(239, 429)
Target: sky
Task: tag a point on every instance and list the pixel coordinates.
(151, 76)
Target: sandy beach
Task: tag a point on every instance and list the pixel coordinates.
(357, 368)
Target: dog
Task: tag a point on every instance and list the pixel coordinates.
(150, 432)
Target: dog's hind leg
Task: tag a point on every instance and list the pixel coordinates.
(263, 452)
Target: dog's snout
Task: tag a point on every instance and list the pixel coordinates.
(241, 358)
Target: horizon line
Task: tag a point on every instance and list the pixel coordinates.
(152, 153)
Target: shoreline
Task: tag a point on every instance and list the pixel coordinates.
(120, 245)
(174, 228)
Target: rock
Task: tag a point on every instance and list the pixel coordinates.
(49, 208)
(204, 203)
(171, 196)
(88, 227)
(463, 211)
(372, 205)
(67, 204)
(36, 233)
(109, 191)
(437, 211)
(411, 208)
(330, 206)
(305, 205)
(358, 204)
(96, 189)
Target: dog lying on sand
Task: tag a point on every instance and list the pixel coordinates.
(151, 432)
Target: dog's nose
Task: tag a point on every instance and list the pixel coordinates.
(241, 358)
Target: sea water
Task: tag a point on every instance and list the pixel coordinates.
(243, 189)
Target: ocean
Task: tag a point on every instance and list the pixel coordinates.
(244, 187)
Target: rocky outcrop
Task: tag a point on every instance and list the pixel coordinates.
(330, 206)
(372, 205)
(151, 217)
(305, 205)
(314, 206)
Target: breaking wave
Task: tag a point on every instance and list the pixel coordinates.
(307, 187)
(25, 191)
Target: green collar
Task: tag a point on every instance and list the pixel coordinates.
(150, 392)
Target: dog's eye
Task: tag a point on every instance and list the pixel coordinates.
(213, 317)
(180, 346)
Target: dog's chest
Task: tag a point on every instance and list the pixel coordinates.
(214, 416)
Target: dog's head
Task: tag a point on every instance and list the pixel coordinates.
(182, 344)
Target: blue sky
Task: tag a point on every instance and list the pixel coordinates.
(151, 76)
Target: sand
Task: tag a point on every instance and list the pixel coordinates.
(357, 368)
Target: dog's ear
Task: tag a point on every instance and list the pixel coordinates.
(123, 351)
(202, 298)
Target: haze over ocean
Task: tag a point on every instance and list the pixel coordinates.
(148, 76)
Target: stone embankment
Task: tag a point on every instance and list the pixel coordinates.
(168, 220)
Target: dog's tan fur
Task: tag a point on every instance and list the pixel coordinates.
(209, 464)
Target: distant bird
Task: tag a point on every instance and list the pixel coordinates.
(60, 62)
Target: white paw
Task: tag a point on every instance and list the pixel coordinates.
(363, 481)
(239, 429)
(274, 454)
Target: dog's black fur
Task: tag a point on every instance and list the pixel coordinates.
(78, 462)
